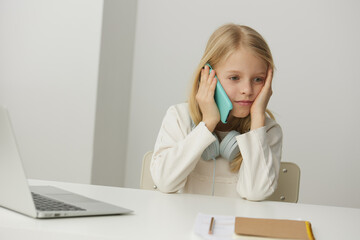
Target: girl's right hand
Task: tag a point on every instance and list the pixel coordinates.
(205, 99)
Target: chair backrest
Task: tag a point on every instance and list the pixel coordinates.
(288, 183)
(287, 189)
(146, 181)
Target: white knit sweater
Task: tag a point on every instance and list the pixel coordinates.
(177, 164)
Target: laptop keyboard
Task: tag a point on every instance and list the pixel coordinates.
(43, 203)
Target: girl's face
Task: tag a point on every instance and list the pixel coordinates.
(242, 76)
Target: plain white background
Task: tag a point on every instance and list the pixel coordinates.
(65, 75)
(49, 74)
(49, 60)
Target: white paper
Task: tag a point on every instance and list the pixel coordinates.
(223, 227)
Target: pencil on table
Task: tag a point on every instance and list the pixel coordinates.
(211, 227)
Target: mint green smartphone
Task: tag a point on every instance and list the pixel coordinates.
(222, 100)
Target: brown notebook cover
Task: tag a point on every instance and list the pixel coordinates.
(273, 228)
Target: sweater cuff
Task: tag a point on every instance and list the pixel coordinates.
(252, 139)
(202, 135)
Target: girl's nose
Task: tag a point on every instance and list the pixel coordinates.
(246, 88)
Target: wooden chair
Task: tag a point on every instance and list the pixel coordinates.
(287, 189)
(288, 183)
(146, 181)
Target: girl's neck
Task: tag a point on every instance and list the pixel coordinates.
(231, 124)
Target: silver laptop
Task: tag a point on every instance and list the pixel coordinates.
(39, 201)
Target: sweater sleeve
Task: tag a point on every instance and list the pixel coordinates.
(177, 150)
(261, 150)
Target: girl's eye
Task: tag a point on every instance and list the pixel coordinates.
(258, 80)
(234, 78)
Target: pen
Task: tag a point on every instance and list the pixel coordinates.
(211, 227)
(309, 230)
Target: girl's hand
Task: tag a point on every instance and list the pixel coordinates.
(205, 99)
(259, 106)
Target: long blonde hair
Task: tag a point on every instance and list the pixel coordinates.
(222, 43)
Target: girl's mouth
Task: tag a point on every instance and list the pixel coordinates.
(244, 103)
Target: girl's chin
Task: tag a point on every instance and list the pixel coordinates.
(240, 114)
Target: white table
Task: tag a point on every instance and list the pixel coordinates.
(169, 216)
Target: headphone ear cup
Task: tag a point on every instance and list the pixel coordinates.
(212, 151)
(229, 148)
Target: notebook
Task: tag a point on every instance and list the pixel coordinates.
(217, 227)
(273, 228)
(39, 201)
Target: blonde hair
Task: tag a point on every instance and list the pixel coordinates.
(222, 43)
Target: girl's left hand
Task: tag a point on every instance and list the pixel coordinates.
(262, 100)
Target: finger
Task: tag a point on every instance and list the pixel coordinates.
(211, 77)
(202, 88)
(269, 77)
(204, 73)
(204, 78)
(212, 86)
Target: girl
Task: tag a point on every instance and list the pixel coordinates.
(245, 152)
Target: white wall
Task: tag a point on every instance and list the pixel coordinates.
(49, 65)
(113, 97)
(315, 45)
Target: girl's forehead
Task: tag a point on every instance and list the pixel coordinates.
(242, 60)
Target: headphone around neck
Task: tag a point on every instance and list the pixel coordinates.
(227, 148)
